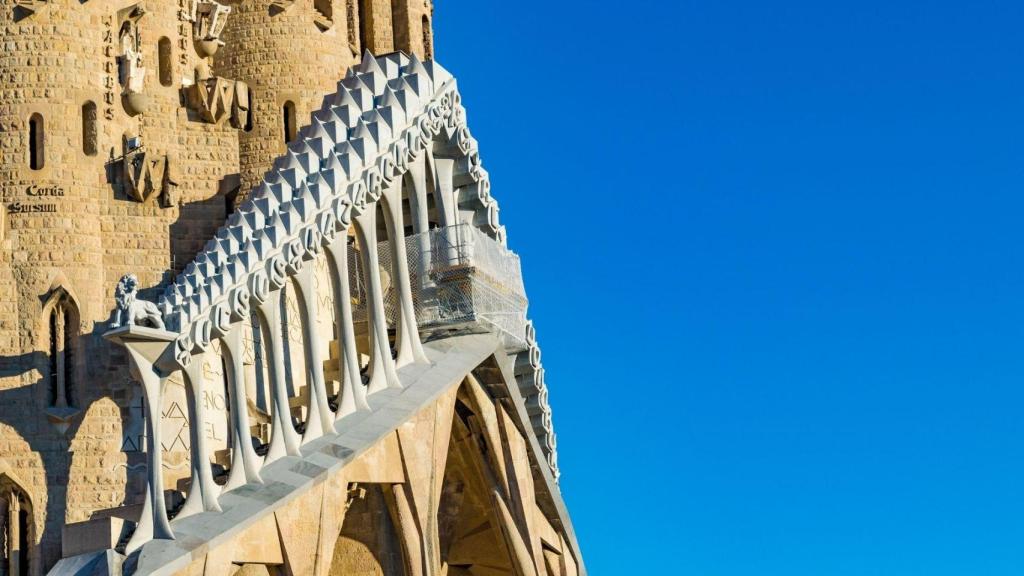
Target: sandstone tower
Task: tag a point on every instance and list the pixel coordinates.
(128, 129)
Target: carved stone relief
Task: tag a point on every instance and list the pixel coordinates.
(208, 19)
(216, 98)
(131, 68)
(144, 174)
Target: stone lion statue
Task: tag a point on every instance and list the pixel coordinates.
(132, 311)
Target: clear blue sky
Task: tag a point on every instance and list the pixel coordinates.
(775, 257)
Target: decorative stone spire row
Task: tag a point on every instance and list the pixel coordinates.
(371, 131)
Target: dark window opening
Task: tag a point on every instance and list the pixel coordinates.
(399, 26)
(62, 332)
(428, 40)
(365, 26)
(231, 201)
(36, 156)
(288, 114)
(165, 59)
(90, 132)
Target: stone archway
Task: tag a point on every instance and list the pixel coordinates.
(469, 531)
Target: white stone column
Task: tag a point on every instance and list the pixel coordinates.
(444, 192)
(284, 440)
(245, 463)
(203, 491)
(447, 210)
(319, 419)
(353, 392)
(410, 349)
(382, 366)
(151, 361)
(420, 212)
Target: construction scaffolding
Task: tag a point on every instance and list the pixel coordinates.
(462, 281)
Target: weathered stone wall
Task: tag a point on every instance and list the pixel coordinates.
(70, 226)
(286, 56)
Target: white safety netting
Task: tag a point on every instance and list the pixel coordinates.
(461, 279)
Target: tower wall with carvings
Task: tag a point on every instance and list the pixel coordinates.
(294, 52)
(127, 130)
(73, 221)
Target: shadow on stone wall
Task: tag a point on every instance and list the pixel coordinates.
(49, 435)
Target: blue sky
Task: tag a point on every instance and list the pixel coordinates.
(775, 258)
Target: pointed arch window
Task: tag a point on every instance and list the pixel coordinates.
(15, 529)
(61, 317)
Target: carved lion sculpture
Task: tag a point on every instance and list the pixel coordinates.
(130, 310)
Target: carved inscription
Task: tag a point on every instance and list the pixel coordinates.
(34, 207)
(19, 208)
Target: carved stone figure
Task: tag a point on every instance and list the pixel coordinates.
(130, 64)
(208, 20)
(132, 311)
(145, 174)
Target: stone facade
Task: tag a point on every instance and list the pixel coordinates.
(128, 133)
